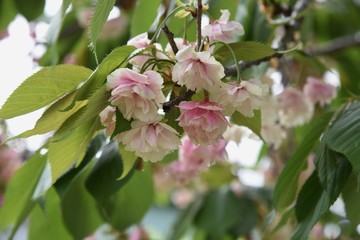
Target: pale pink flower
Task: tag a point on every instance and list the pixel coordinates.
(138, 233)
(223, 30)
(139, 41)
(235, 133)
(180, 44)
(10, 161)
(108, 119)
(150, 141)
(182, 197)
(244, 97)
(270, 111)
(202, 121)
(319, 91)
(197, 70)
(273, 134)
(136, 95)
(294, 107)
(194, 158)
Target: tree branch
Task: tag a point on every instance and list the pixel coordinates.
(176, 101)
(170, 37)
(198, 22)
(336, 45)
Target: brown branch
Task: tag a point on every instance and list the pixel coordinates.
(231, 71)
(170, 37)
(170, 104)
(198, 22)
(336, 45)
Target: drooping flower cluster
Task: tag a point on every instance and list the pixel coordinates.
(292, 108)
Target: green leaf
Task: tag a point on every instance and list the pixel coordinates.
(132, 201)
(43, 88)
(114, 60)
(129, 159)
(80, 211)
(101, 14)
(47, 223)
(287, 184)
(53, 117)
(121, 124)
(102, 181)
(30, 9)
(143, 16)
(244, 51)
(351, 197)
(7, 13)
(185, 219)
(253, 123)
(18, 197)
(65, 153)
(312, 203)
(224, 212)
(63, 183)
(344, 135)
(333, 168)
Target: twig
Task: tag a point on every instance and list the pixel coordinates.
(170, 37)
(198, 22)
(170, 104)
(231, 71)
(336, 45)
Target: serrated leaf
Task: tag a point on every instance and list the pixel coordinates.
(18, 197)
(287, 183)
(43, 88)
(132, 201)
(333, 169)
(53, 117)
(253, 123)
(112, 61)
(67, 152)
(351, 197)
(312, 203)
(47, 223)
(30, 9)
(121, 124)
(344, 135)
(129, 159)
(143, 16)
(244, 51)
(102, 181)
(80, 211)
(101, 14)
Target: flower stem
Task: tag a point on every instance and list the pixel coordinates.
(198, 21)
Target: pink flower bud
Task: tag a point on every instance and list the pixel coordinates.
(202, 121)
(295, 108)
(10, 161)
(151, 141)
(223, 30)
(108, 119)
(319, 91)
(136, 95)
(197, 70)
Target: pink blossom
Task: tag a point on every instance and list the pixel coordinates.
(319, 91)
(294, 107)
(139, 41)
(235, 133)
(195, 158)
(138, 233)
(273, 134)
(150, 141)
(108, 119)
(136, 95)
(197, 70)
(180, 44)
(223, 30)
(244, 97)
(10, 161)
(202, 121)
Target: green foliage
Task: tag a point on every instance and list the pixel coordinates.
(102, 11)
(351, 196)
(253, 123)
(30, 9)
(43, 88)
(286, 186)
(247, 51)
(7, 13)
(18, 198)
(148, 11)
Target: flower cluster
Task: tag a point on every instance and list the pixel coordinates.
(292, 108)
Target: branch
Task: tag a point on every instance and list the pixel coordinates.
(198, 22)
(170, 104)
(336, 45)
(231, 71)
(170, 37)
